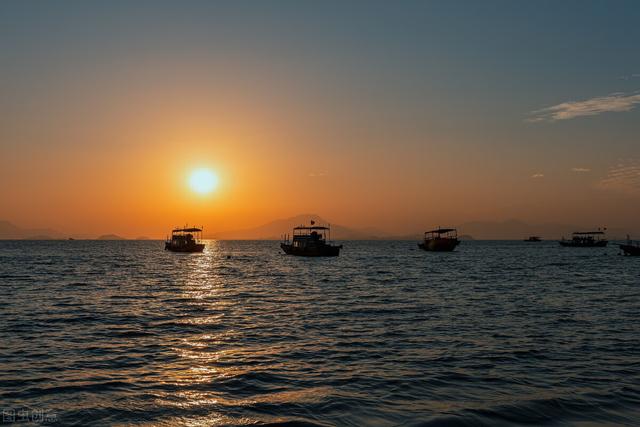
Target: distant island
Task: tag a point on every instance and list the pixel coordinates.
(511, 229)
(110, 237)
(11, 231)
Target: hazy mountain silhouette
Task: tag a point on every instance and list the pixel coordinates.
(111, 237)
(11, 231)
(511, 229)
(275, 229)
(514, 229)
(480, 230)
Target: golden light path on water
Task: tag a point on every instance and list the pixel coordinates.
(206, 361)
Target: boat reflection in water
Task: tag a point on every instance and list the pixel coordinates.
(310, 242)
(185, 240)
(440, 240)
(586, 239)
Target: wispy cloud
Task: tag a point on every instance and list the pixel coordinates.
(537, 175)
(630, 76)
(318, 174)
(615, 102)
(624, 176)
(580, 170)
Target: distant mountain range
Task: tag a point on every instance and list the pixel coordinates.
(10, 231)
(514, 229)
(477, 230)
(275, 229)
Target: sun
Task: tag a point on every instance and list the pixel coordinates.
(203, 181)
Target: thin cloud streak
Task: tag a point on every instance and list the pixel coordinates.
(616, 102)
(624, 176)
(631, 76)
(580, 170)
(537, 175)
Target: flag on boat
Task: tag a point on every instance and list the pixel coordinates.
(313, 222)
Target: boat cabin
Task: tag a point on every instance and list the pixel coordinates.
(440, 240)
(305, 236)
(441, 233)
(185, 240)
(588, 236)
(586, 239)
(310, 241)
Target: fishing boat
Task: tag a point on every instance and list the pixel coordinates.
(440, 240)
(533, 239)
(310, 241)
(185, 240)
(630, 248)
(586, 239)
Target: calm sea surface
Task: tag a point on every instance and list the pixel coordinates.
(497, 333)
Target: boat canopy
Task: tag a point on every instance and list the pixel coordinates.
(441, 230)
(315, 227)
(583, 233)
(187, 230)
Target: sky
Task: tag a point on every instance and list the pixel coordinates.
(396, 115)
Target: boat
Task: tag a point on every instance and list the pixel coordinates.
(533, 239)
(185, 240)
(440, 240)
(310, 241)
(586, 239)
(630, 248)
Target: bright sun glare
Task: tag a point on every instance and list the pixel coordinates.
(203, 181)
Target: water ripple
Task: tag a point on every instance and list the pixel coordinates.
(497, 333)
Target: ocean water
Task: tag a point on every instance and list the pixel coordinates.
(496, 333)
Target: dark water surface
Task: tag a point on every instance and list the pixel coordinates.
(497, 333)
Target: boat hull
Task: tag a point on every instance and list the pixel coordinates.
(439, 245)
(572, 244)
(316, 251)
(198, 247)
(631, 250)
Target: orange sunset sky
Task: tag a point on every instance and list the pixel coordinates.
(395, 117)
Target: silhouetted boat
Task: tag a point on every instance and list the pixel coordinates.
(440, 240)
(630, 248)
(533, 239)
(310, 241)
(586, 239)
(185, 240)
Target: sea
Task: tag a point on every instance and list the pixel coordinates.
(497, 333)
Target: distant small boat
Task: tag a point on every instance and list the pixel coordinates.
(533, 239)
(310, 242)
(440, 240)
(185, 240)
(71, 238)
(586, 239)
(630, 248)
